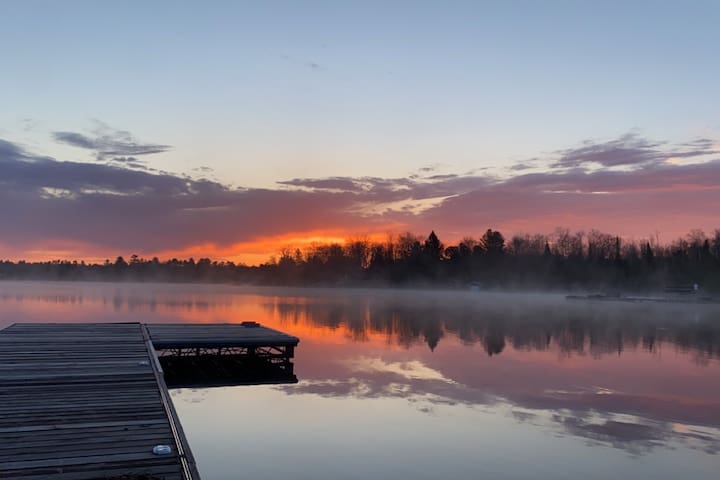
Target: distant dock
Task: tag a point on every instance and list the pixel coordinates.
(687, 300)
(89, 401)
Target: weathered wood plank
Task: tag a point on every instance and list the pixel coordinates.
(81, 401)
(163, 471)
(216, 335)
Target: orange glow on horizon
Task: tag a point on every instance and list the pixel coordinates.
(262, 249)
(252, 252)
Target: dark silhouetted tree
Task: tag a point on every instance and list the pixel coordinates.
(432, 248)
(493, 243)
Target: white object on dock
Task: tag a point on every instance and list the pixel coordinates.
(162, 450)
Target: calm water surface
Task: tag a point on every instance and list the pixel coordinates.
(427, 385)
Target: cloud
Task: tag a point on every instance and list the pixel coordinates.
(117, 206)
(23, 173)
(521, 166)
(9, 150)
(700, 144)
(110, 144)
(629, 150)
(345, 184)
(311, 64)
(75, 139)
(29, 124)
(388, 190)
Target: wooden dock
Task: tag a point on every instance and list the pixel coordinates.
(189, 336)
(88, 401)
(223, 354)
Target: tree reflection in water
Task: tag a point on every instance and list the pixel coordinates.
(631, 376)
(528, 322)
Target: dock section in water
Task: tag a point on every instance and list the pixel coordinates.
(89, 401)
(194, 355)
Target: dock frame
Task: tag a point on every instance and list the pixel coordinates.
(90, 401)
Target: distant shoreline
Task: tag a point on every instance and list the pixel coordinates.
(580, 296)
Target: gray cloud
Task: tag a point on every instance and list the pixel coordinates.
(521, 166)
(346, 184)
(75, 139)
(110, 144)
(702, 144)
(119, 208)
(11, 151)
(128, 161)
(629, 150)
(393, 189)
(23, 172)
(43, 198)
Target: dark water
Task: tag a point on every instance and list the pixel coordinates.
(427, 385)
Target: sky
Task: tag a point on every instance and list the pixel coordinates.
(234, 129)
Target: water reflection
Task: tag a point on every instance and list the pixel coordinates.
(527, 322)
(622, 419)
(634, 379)
(534, 323)
(206, 371)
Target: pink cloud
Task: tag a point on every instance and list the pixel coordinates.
(47, 204)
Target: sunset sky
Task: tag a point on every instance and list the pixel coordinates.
(233, 129)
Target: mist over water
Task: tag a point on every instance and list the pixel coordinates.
(428, 384)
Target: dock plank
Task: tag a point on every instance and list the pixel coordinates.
(82, 401)
(87, 401)
(167, 335)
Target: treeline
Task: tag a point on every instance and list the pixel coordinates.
(562, 260)
(132, 269)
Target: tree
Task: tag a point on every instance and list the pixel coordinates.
(524, 245)
(715, 244)
(698, 245)
(433, 248)
(452, 253)
(493, 242)
(600, 245)
(648, 255)
(408, 247)
(568, 244)
(466, 246)
(359, 253)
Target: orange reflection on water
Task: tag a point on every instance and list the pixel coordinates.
(550, 356)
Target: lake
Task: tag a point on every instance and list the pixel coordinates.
(434, 384)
